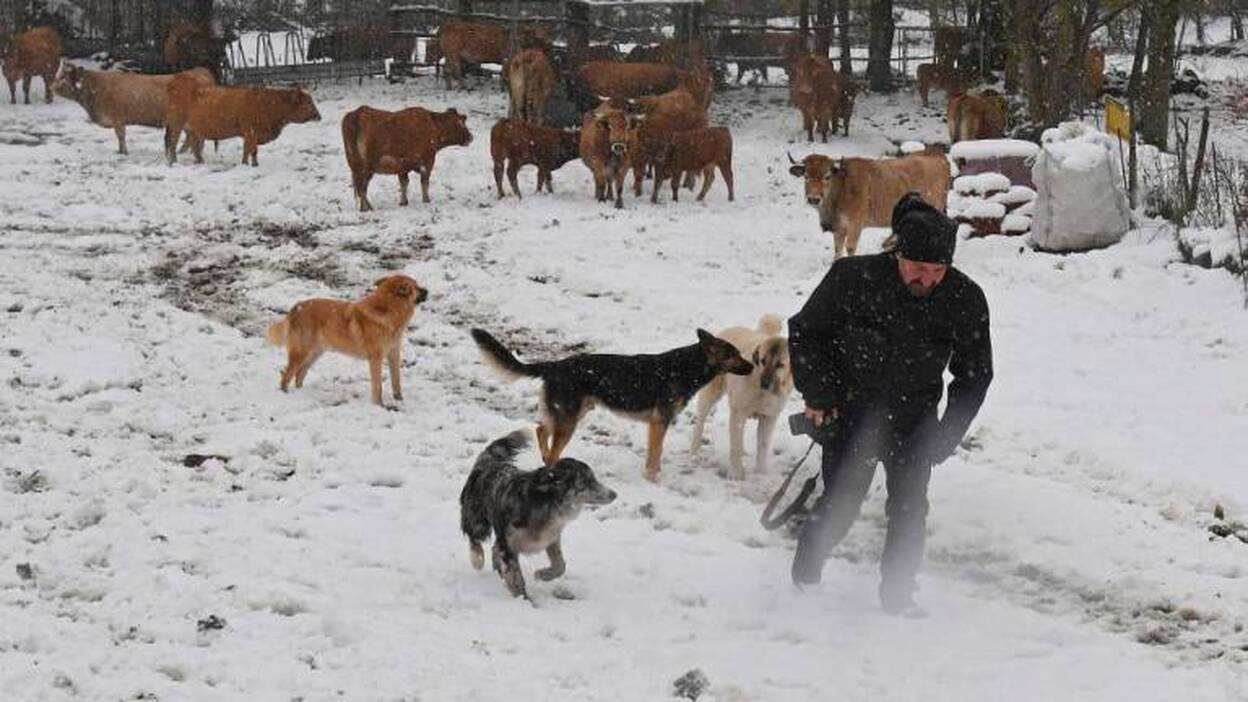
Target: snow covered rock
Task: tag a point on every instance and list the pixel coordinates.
(981, 184)
(1080, 203)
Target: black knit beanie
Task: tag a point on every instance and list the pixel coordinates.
(923, 232)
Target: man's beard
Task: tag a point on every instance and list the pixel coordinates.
(919, 290)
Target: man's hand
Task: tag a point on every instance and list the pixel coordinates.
(819, 416)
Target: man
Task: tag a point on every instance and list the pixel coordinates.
(869, 350)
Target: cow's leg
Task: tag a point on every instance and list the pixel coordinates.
(197, 149)
(725, 169)
(550, 188)
(498, 177)
(424, 180)
(26, 88)
(513, 169)
(708, 177)
(658, 181)
(619, 188)
(47, 87)
(403, 181)
(808, 125)
(851, 239)
(361, 190)
(120, 130)
(676, 175)
(13, 91)
(639, 174)
(543, 177)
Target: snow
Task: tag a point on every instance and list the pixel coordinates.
(981, 184)
(981, 209)
(977, 149)
(1016, 195)
(1078, 147)
(322, 559)
(1015, 224)
(910, 147)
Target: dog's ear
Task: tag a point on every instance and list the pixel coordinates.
(705, 337)
(404, 290)
(377, 283)
(546, 481)
(757, 360)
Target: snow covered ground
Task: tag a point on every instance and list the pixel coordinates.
(1069, 556)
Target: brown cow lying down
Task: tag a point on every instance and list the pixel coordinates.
(694, 150)
(117, 100)
(975, 117)
(854, 193)
(217, 112)
(397, 143)
(36, 52)
(514, 143)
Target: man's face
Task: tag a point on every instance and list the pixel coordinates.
(920, 278)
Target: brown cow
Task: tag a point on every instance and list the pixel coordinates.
(670, 52)
(36, 52)
(800, 68)
(190, 45)
(853, 193)
(531, 81)
(218, 112)
(117, 100)
(975, 117)
(621, 81)
(820, 94)
(514, 143)
(474, 42)
(1094, 72)
(694, 150)
(940, 76)
(397, 143)
(603, 147)
(649, 133)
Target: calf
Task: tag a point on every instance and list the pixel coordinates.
(854, 193)
(940, 76)
(397, 143)
(258, 115)
(694, 150)
(117, 100)
(820, 96)
(975, 117)
(603, 147)
(531, 81)
(649, 134)
(621, 81)
(36, 52)
(1094, 73)
(514, 143)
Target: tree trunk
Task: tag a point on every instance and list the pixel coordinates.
(823, 35)
(842, 23)
(1155, 102)
(880, 46)
(201, 11)
(1133, 89)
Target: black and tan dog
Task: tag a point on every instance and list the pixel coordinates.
(525, 511)
(651, 388)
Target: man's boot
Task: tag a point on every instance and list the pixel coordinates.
(898, 600)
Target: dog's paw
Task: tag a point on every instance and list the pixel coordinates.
(549, 573)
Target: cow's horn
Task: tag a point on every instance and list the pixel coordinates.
(791, 159)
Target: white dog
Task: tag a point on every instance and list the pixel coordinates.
(760, 395)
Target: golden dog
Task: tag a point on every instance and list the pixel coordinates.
(370, 328)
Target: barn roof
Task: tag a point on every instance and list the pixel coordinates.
(622, 3)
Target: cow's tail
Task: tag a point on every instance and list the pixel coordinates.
(350, 139)
(771, 324)
(502, 360)
(278, 332)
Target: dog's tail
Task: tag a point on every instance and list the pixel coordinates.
(504, 361)
(505, 449)
(771, 324)
(278, 332)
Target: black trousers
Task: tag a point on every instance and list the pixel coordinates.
(849, 462)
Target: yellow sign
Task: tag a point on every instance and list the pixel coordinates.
(1117, 119)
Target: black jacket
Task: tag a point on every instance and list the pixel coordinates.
(862, 342)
